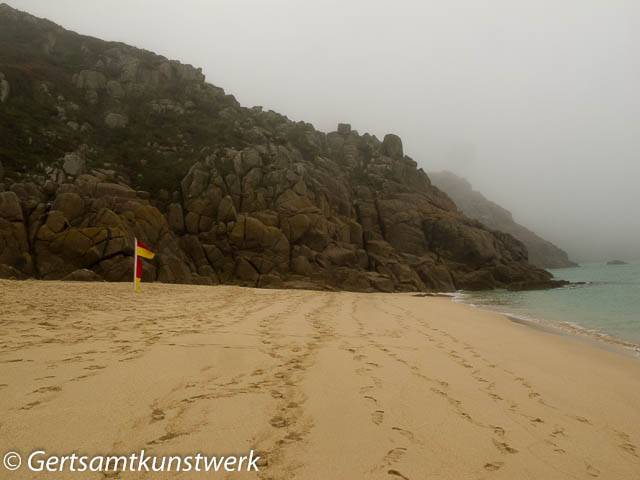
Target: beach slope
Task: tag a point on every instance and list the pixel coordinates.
(321, 385)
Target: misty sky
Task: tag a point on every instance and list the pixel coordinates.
(535, 102)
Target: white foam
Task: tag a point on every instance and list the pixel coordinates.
(560, 327)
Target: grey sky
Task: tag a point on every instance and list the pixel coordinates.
(535, 102)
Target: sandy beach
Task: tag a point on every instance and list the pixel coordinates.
(321, 385)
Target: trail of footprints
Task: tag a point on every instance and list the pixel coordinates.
(438, 337)
(404, 438)
(300, 355)
(120, 347)
(288, 422)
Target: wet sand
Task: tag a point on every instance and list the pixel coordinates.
(323, 385)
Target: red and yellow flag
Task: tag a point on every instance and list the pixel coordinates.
(141, 250)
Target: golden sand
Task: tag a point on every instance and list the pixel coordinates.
(323, 385)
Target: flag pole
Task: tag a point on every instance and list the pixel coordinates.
(135, 264)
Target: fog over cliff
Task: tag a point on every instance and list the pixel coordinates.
(534, 102)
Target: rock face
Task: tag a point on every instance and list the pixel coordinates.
(4, 88)
(221, 193)
(542, 253)
(115, 120)
(344, 128)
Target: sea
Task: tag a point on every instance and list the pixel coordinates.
(606, 306)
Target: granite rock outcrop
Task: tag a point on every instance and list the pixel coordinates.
(542, 253)
(110, 143)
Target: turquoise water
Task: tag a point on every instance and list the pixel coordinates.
(608, 304)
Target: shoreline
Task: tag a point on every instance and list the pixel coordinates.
(318, 384)
(570, 330)
(588, 337)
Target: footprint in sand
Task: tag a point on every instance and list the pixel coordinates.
(493, 466)
(293, 437)
(367, 389)
(72, 359)
(95, 367)
(535, 420)
(478, 377)
(555, 446)
(395, 454)
(627, 445)
(593, 471)
(466, 416)
(278, 422)
(629, 448)
(30, 405)
(396, 473)
(157, 415)
(371, 399)
(439, 392)
(405, 433)
(504, 447)
(377, 417)
(165, 437)
(581, 419)
(47, 389)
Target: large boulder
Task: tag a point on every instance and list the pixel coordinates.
(392, 146)
(245, 271)
(175, 216)
(70, 204)
(226, 210)
(74, 163)
(10, 208)
(344, 128)
(14, 246)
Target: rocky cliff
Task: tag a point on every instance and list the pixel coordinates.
(102, 142)
(542, 253)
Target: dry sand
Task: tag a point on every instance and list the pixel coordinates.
(324, 385)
